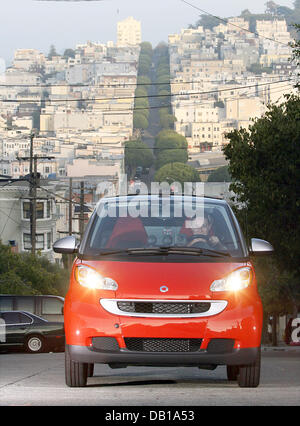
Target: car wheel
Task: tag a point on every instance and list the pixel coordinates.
(76, 373)
(232, 372)
(35, 344)
(90, 371)
(249, 375)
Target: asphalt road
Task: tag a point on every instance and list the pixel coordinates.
(38, 379)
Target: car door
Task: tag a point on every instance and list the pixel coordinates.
(16, 325)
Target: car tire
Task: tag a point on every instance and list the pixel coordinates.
(76, 373)
(35, 344)
(249, 375)
(232, 372)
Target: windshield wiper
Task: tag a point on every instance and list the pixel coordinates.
(195, 251)
(165, 250)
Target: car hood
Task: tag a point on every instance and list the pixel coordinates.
(164, 280)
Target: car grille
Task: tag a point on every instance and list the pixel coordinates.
(141, 344)
(175, 308)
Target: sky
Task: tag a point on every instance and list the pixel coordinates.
(38, 24)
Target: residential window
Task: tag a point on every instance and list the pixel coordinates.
(27, 241)
(39, 241)
(26, 210)
(48, 208)
(40, 210)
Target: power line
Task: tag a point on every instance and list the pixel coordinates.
(234, 25)
(170, 105)
(148, 96)
(121, 85)
(63, 198)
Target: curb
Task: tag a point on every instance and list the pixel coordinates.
(281, 348)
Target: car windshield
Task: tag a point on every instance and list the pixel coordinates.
(121, 226)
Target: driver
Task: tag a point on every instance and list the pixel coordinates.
(202, 234)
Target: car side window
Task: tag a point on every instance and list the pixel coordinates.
(25, 304)
(6, 303)
(24, 319)
(11, 318)
(51, 305)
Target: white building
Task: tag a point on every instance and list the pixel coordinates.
(129, 32)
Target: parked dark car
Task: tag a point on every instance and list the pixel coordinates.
(47, 306)
(26, 330)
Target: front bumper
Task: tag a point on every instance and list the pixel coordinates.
(125, 357)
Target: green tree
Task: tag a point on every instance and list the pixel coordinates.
(146, 47)
(22, 273)
(144, 82)
(166, 120)
(220, 175)
(170, 156)
(264, 163)
(170, 139)
(137, 153)
(69, 53)
(52, 52)
(177, 172)
(140, 121)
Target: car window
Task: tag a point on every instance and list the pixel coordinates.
(11, 318)
(6, 303)
(25, 304)
(156, 225)
(51, 305)
(24, 319)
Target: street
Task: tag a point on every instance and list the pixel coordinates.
(38, 379)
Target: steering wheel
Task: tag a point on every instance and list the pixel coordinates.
(202, 236)
(195, 241)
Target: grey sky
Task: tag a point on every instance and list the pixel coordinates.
(38, 24)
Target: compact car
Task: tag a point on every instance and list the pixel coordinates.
(163, 281)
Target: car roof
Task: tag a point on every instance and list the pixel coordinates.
(146, 197)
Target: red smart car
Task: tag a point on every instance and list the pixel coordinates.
(163, 281)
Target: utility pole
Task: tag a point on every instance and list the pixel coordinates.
(81, 214)
(33, 185)
(33, 206)
(70, 259)
(70, 207)
(31, 196)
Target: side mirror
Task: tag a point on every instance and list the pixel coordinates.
(67, 245)
(260, 247)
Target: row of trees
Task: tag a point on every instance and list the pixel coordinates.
(163, 88)
(141, 104)
(171, 148)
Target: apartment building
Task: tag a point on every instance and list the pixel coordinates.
(27, 59)
(129, 32)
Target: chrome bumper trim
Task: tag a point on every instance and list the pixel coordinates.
(111, 306)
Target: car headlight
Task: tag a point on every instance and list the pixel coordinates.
(235, 281)
(90, 278)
